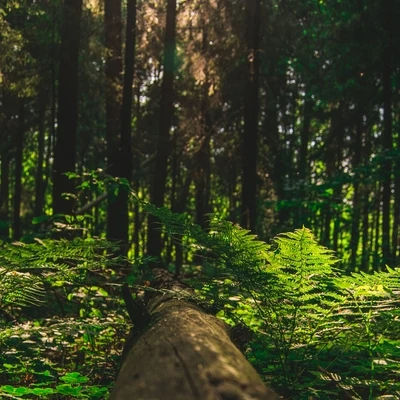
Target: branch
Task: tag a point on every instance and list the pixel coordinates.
(93, 203)
(138, 313)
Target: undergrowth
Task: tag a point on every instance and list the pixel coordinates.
(61, 320)
(318, 333)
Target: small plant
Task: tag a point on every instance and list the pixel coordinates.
(60, 321)
(72, 387)
(319, 332)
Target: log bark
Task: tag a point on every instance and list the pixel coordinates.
(183, 354)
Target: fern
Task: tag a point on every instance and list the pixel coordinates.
(27, 269)
(321, 333)
(70, 278)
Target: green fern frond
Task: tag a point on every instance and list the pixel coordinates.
(309, 314)
(27, 268)
(19, 288)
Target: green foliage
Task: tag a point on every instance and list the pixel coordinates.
(60, 319)
(319, 332)
(71, 388)
(27, 268)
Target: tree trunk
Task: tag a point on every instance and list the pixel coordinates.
(387, 130)
(7, 132)
(154, 242)
(118, 218)
(18, 170)
(396, 221)
(251, 105)
(137, 182)
(333, 159)
(184, 354)
(180, 208)
(202, 164)
(65, 147)
(4, 196)
(277, 166)
(367, 231)
(355, 222)
(39, 184)
(304, 169)
(126, 114)
(117, 207)
(377, 225)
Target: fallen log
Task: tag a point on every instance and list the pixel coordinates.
(183, 353)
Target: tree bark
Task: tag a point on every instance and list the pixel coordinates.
(251, 105)
(304, 169)
(377, 225)
(355, 222)
(367, 231)
(396, 221)
(202, 163)
(116, 208)
(39, 181)
(184, 354)
(333, 160)
(4, 197)
(387, 130)
(117, 217)
(154, 241)
(18, 170)
(126, 112)
(7, 132)
(65, 147)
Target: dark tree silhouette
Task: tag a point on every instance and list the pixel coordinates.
(19, 145)
(65, 146)
(387, 7)
(154, 242)
(251, 105)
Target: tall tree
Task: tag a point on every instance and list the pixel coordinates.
(126, 111)
(333, 158)
(304, 168)
(19, 145)
(4, 195)
(355, 223)
(251, 105)
(154, 242)
(119, 114)
(387, 127)
(39, 181)
(65, 147)
(7, 132)
(202, 164)
(396, 222)
(113, 70)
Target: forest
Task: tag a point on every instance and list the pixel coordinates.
(250, 148)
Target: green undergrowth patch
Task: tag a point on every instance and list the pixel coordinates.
(311, 330)
(317, 332)
(62, 320)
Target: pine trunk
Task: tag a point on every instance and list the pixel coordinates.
(387, 130)
(65, 147)
(18, 170)
(117, 211)
(251, 105)
(154, 241)
(40, 183)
